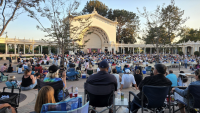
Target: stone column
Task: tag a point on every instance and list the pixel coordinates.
(123, 50)
(41, 49)
(18, 48)
(145, 50)
(33, 49)
(49, 48)
(15, 48)
(163, 51)
(24, 49)
(57, 50)
(150, 50)
(6, 48)
(169, 50)
(128, 49)
(29, 49)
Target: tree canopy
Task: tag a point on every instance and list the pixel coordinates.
(101, 8)
(128, 22)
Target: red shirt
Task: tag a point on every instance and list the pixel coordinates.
(39, 69)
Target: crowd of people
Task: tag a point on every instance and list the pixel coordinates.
(123, 71)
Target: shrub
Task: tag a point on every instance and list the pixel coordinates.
(196, 53)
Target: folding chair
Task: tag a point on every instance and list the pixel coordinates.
(194, 95)
(57, 86)
(153, 98)
(3, 77)
(99, 97)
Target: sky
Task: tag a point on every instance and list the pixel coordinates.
(25, 27)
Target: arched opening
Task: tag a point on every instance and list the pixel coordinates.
(97, 37)
(189, 50)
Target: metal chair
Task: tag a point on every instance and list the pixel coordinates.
(194, 94)
(153, 98)
(99, 97)
(57, 86)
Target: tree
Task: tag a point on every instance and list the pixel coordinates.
(99, 6)
(11, 9)
(63, 32)
(189, 34)
(128, 24)
(163, 19)
(196, 53)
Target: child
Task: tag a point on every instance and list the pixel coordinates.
(79, 75)
(182, 79)
(45, 71)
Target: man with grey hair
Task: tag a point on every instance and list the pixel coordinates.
(158, 79)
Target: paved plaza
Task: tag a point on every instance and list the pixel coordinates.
(27, 106)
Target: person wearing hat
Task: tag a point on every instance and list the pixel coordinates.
(53, 75)
(158, 79)
(11, 82)
(102, 78)
(127, 80)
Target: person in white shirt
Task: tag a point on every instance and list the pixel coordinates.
(127, 80)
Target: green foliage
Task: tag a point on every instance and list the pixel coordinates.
(181, 53)
(196, 53)
(128, 24)
(101, 8)
(189, 34)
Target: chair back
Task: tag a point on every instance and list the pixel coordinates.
(57, 86)
(194, 90)
(98, 96)
(148, 68)
(155, 95)
(83, 109)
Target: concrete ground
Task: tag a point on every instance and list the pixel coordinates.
(27, 106)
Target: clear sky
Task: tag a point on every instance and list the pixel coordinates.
(25, 26)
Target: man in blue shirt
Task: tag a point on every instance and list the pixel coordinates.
(185, 62)
(172, 77)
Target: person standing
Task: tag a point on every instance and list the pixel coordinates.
(185, 63)
(10, 60)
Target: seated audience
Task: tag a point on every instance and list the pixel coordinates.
(61, 71)
(10, 69)
(103, 78)
(138, 77)
(28, 80)
(45, 95)
(9, 107)
(172, 77)
(118, 77)
(157, 80)
(185, 92)
(4, 67)
(20, 68)
(128, 80)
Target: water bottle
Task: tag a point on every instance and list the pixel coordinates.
(119, 94)
(76, 90)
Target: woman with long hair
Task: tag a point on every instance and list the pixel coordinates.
(28, 80)
(45, 95)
